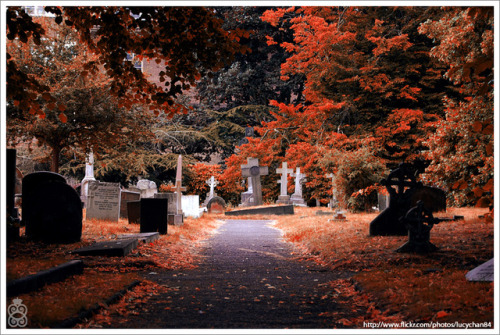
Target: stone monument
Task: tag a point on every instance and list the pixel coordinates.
(296, 197)
(179, 216)
(334, 201)
(89, 176)
(253, 170)
(212, 182)
(284, 198)
(103, 201)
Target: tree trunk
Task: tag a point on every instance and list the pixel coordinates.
(54, 165)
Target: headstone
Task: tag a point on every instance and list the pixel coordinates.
(126, 197)
(484, 272)
(154, 215)
(246, 197)
(212, 182)
(419, 222)
(296, 197)
(134, 212)
(404, 193)
(334, 201)
(191, 206)
(284, 198)
(89, 176)
(118, 248)
(339, 216)
(141, 237)
(216, 205)
(147, 188)
(103, 201)
(172, 208)
(52, 210)
(179, 216)
(252, 169)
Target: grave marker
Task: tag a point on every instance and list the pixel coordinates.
(212, 182)
(191, 206)
(296, 197)
(89, 176)
(154, 215)
(216, 205)
(172, 207)
(484, 272)
(333, 202)
(126, 197)
(147, 188)
(252, 169)
(179, 216)
(284, 198)
(103, 201)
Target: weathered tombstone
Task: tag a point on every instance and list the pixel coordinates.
(216, 205)
(134, 212)
(52, 210)
(179, 216)
(484, 272)
(284, 198)
(126, 197)
(404, 193)
(147, 188)
(103, 201)
(212, 182)
(252, 169)
(172, 206)
(13, 222)
(118, 248)
(296, 197)
(154, 215)
(333, 202)
(191, 206)
(89, 176)
(246, 197)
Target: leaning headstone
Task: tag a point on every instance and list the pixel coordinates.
(52, 210)
(484, 272)
(172, 207)
(103, 201)
(89, 176)
(154, 215)
(134, 212)
(147, 188)
(284, 198)
(296, 197)
(126, 197)
(216, 205)
(252, 169)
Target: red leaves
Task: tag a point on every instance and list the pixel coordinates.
(63, 118)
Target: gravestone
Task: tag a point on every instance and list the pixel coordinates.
(172, 207)
(126, 197)
(404, 193)
(179, 215)
(216, 205)
(134, 212)
(284, 198)
(103, 201)
(333, 202)
(246, 196)
(89, 176)
(141, 237)
(154, 215)
(191, 206)
(252, 169)
(52, 210)
(118, 248)
(147, 188)
(339, 216)
(296, 198)
(484, 272)
(212, 182)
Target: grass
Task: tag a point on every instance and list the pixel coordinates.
(103, 276)
(397, 286)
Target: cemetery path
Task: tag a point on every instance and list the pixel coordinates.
(247, 278)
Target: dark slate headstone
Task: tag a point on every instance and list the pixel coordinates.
(154, 215)
(118, 248)
(134, 212)
(127, 196)
(216, 205)
(54, 214)
(172, 206)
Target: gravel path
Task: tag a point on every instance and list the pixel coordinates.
(247, 278)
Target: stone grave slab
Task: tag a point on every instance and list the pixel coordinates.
(484, 272)
(272, 210)
(142, 237)
(127, 196)
(118, 248)
(103, 201)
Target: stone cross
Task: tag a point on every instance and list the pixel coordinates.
(212, 183)
(296, 197)
(178, 183)
(253, 170)
(334, 199)
(285, 171)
